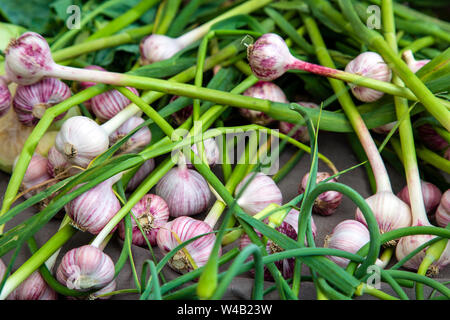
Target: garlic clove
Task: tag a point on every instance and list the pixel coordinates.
(93, 209)
(141, 174)
(38, 58)
(107, 104)
(211, 150)
(371, 65)
(137, 141)
(443, 210)
(431, 196)
(152, 212)
(326, 203)
(258, 194)
(81, 139)
(348, 235)
(186, 228)
(301, 133)
(390, 212)
(5, 97)
(185, 191)
(31, 101)
(33, 288)
(85, 268)
(262, 90)
(158, 47)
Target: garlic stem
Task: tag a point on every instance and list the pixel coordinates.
(120, 118)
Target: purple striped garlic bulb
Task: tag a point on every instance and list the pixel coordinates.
(390, 212)
(431, 138)
(93, 209)
(152, 213)
(211, 150)
(5, 97)
(85, 268)
(107, 104)
(87, 84)
(371, 65)
(35, 175)
(301, 133)
(182, 115)
(33, 288)
(431, 196)
(137, 141)
(97, 294)
(443, 210)
(348, 235)
(57, 163)
(326, 203)
(185, 191)
(141, 174)
(31, 101)
(262, 90)
(182, 229)
(413, 64)
(158, 47)
(258, 194)
(81, 139)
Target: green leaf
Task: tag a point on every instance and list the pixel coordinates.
(164, 68)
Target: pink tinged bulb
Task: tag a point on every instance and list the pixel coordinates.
(370, 65)
(93, 209)
(258, 194)
(107, 104)
(33, 288)
(57, 163)
(326, 203)
(262, 90)
(413, 64)
(211, 150)
(182, 115)
(157, 47)
(5, 97)
(81, 140)
(301, 133)
(269, 57)
(31, 101)
(431, 138)
(185, 191)
(390, 212)
(137, 141)
(35, 175)
(431, 196)
(349, 236)
(87, 84)
(142, 173)
(186, 228)
(386, 128)
(85, 268)
(28, 59)
(152, 213)
(443, 210)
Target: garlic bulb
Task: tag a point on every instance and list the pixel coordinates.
(27, 58)
(137, 141)
(371, 65)
(431, 196)
(57, 163)
(262, 90)
(36, 174)
(31, 101)
(348, 235)
(33, 288)
(301, 133)
(2, 270)
(152, 213)
(96, 295)
(185, 191)
(107, 104)
(386, 128)
(182, 115)
(390, 212)
(81, 139)
(211, 150)
(258, 194)
(87, 84)
(141, 174)
(443, 211)
(431, 138)
(186, 228)
(93, 209)
(5, 97)
(326, 203)
(158, 47)
(85, 268)
(413, 64)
